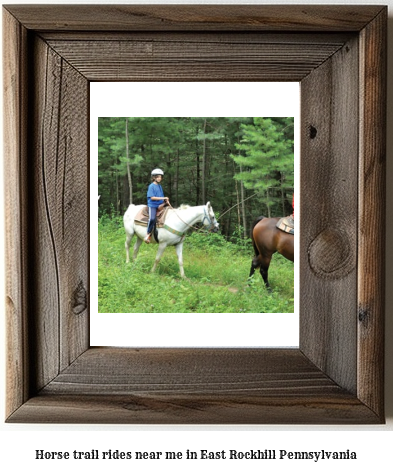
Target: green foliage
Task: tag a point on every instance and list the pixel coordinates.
(265, 154)
(217, 277)
(240, 164)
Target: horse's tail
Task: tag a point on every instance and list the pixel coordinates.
(258, 219)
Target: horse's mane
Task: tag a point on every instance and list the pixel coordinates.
(183, 206)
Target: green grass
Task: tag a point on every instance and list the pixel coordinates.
(216, 270)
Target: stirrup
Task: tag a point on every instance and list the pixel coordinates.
(147, 239)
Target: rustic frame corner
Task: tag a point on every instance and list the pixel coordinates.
(338, 54)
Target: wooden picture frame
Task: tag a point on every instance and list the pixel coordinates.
(338, 54)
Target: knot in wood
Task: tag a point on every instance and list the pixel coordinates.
(363, 315)
(331, 255)
(80, 299)
(313, 132)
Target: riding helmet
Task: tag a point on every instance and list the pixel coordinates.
(157, 171)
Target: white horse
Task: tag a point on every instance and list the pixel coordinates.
(177, 223)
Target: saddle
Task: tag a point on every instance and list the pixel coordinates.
(142, 217)
(286, 224)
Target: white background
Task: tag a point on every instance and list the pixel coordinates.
(372, 443)
(249, 99)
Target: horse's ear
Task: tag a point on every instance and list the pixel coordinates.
(208, 205)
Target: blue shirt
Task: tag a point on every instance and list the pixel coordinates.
(154, 190)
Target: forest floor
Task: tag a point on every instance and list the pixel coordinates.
(216, 270)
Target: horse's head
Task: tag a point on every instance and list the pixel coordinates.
(209, 219)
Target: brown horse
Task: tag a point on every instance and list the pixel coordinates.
(267, 240)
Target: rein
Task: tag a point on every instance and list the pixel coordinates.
(237, 204)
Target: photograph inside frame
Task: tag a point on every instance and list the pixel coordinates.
(219, 191)
(196, 213)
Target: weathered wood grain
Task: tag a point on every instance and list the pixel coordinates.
(186, 59)
(239, 409)
(16, 229)
(196, 371)
(59, 180)
(371, 246)
(200, 386)
(201, 37)
(328, 195)
(195, 17)
(336, 375)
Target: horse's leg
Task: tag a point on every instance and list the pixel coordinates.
(254, 265)
(265, 262)
(127, 245)
(136, 247)
(160, 251)
(179, 252)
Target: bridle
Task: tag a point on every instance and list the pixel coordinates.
(209, 220)
(205, 216)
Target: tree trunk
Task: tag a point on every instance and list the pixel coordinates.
(243, 206)
(268, 203)
(128, 163)
(203, 171)
(242, 194)
(282, 195)
(237, 199)
(177, 176)
(117, 193)
(168, 181)
(198, 170)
